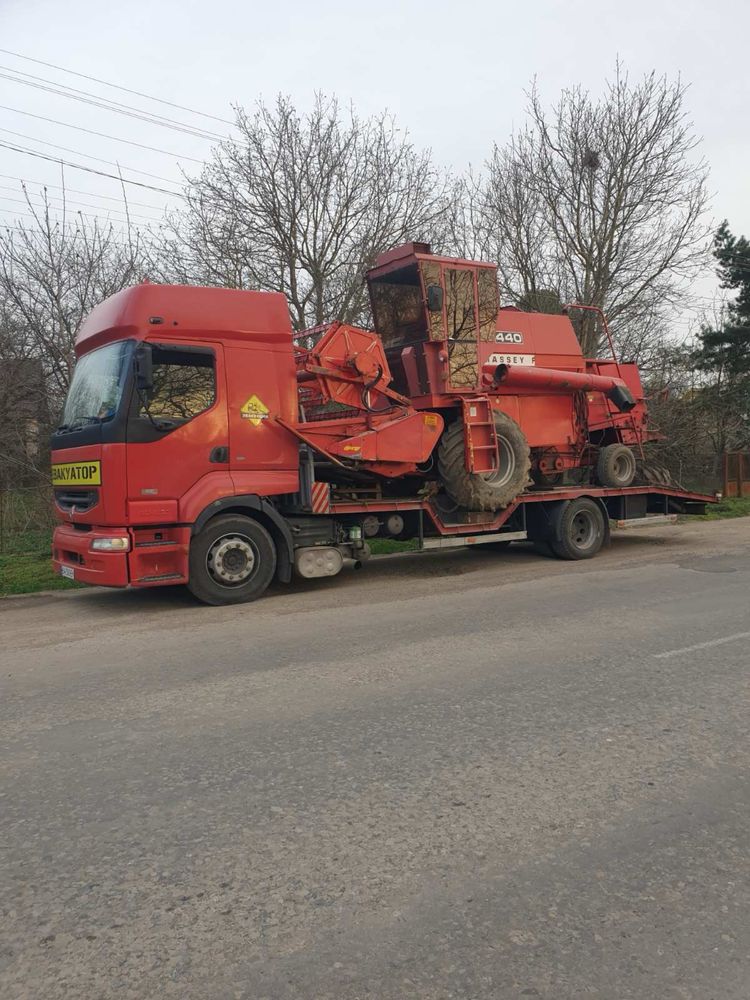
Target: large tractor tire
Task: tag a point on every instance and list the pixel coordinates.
(489, 490)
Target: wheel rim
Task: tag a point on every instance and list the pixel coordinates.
(232, 560)
(583, 529)
(623, 466)
(506, 464)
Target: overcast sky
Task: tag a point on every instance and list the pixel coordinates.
(454, 74)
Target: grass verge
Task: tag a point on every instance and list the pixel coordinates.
(729, 507)
(26, 567)
(387, 546)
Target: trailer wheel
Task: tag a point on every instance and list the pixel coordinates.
(581, 530)
(490, 490)
(616, 466)
(232, 560)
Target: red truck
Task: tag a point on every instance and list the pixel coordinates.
(203, 443)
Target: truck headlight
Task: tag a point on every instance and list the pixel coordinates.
(118, 543)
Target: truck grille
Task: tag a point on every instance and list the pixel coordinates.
(81, 500)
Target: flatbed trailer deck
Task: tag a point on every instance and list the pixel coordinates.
(640, 506)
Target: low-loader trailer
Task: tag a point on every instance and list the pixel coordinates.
(203, 443)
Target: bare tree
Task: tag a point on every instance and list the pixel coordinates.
(302, 204)
(602, 202)
(53, 271)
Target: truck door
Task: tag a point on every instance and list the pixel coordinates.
(177, 431)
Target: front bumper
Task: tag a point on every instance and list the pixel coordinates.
(71, 548)
(157, 557)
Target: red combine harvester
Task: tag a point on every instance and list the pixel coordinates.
(203, 444)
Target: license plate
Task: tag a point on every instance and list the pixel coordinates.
(68, 572)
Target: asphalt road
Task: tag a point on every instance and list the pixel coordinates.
(456, 775)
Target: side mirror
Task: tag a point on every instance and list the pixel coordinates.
(434, 298)
(144, 368)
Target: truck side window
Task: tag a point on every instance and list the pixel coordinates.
(184, 385)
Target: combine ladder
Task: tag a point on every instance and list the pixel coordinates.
(480, 437)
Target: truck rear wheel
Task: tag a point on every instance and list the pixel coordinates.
(490, 490)
(616, 466)
(581, 530)
(232, 560)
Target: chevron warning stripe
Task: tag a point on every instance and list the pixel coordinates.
(321, 498)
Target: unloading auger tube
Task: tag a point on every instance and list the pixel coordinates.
(556, 380)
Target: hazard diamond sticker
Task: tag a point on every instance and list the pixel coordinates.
(254, 410)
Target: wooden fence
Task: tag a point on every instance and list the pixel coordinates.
(737, 473)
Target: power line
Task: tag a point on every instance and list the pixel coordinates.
(116, 86)
(89, 170)
(88, 156)
(111, 223)
(60, 187)
(62, 90)
(64, 202)
(102, 135)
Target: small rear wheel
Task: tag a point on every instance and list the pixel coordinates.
(616, 466)
(232, 560)
(581, 530)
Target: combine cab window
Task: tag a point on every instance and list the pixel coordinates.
(431, 276)
(398, 307)
(489, 303)
(184, 385)
(462, 327)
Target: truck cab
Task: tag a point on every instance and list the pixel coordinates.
(160, 422)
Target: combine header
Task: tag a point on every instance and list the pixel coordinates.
(203, 444)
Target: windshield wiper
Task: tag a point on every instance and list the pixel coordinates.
(77, 424)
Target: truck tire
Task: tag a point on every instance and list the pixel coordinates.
(232, 560)
(616, 466)
(485, 491)
(581, 530)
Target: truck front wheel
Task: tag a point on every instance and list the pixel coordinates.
(232, 560)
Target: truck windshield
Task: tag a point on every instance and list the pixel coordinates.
(97, 386)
